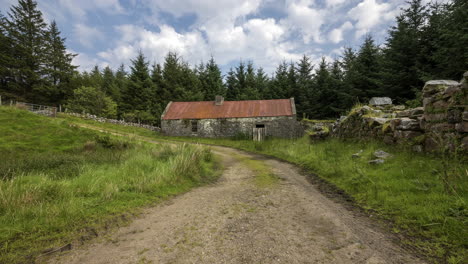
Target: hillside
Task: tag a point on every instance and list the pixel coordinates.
(62, 183)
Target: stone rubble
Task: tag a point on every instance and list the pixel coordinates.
(441, 122)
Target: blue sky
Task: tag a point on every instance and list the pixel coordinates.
(111, 32)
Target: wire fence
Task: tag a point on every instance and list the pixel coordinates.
(35, 108)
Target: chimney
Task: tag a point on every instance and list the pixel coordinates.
(219, 100)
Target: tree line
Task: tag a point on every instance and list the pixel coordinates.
(428, 41)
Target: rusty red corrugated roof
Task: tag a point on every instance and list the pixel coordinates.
(229, 109)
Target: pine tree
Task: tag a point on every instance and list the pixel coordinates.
(250, 90)
(280, 83)
(58, 66)
(95, 77)
(27, 30)
(211, 80)
(452, 51)
(368, 70)
(109, 85)
(262, 83)
(232, 87)
(304, 94)
(6, 59)
(240, 81)
(400, 75)
(136, 99)
(292, 82)
(324, 93)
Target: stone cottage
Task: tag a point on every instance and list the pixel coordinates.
(219, 118)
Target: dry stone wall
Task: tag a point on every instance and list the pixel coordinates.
(114, 121)
(442, 122)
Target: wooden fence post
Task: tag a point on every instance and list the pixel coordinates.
(0, 100)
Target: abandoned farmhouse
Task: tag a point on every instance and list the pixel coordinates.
(219, 118)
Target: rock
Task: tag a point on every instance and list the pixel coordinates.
(402, 136)
(416, 112)
(399, 107)
(462, 127)
(454, 115)
(388, 140)
(437, 86)
(440, 104)
(376, 161)
(435, 117)
(380, 101)
(427, 101)
(465, 116)
(376, 121)
(418, 148)
(357, 155)
(408, 124)
(464, 143)
(439, 127)
(406, 113)
(450, 91)
(380, 154)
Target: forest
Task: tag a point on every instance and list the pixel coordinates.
(427, 41)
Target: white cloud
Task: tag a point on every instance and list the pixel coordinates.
(79, 10)
(303, 17)
(155, 45)
(213, 11)
(334, 2)
(369, 14)
(86, 35)
(336, 35)
(86, 62)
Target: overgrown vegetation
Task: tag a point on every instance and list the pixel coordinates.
(59, 181)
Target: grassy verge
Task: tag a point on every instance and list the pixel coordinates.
(410, 189)
(58, 181)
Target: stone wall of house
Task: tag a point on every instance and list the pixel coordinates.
(441, 122)
(114, 121)
(284, 127)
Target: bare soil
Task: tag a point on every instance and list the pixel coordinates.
(234, 221)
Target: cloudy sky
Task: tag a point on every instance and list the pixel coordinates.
(111, 32)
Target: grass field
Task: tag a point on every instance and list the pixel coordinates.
(61, 183)
(425, 196)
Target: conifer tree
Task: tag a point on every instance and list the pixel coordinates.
(136, 98)
(280, 83)
(6, 58)
(250, 90)
(58, 66)
(304, 94)
(232, 87)
(109, 84)
(211, 80)
(262, 83)
(452, 51)
(400, 74)
(292, 82)
(26, 29)
(368, 70)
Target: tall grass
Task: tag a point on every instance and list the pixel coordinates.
(408, 189)
(49, 196)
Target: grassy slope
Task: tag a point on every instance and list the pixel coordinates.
(407, 189)
(60, 181)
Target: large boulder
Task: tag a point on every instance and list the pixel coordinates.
(437, 86)
(405, 124)
(380, 101)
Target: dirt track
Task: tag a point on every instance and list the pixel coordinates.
(233, 221)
